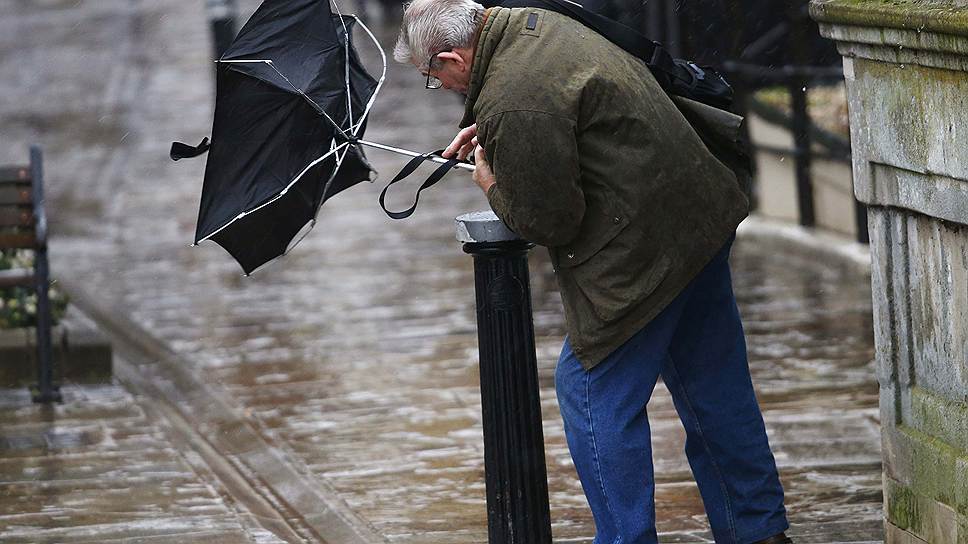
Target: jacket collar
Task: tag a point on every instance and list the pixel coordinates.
(495, 21)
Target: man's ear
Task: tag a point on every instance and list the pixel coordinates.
(453, 57)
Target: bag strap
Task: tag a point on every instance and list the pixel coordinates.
(659, 60)
(408, 169)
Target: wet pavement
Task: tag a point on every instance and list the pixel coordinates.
(100, 468)
(355, 357)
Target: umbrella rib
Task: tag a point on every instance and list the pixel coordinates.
(332, 176)
(311, 101)
(356, 128)
(433, 158)
(346, 65)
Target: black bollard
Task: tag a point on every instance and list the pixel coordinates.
(221, 17)
(514, 457)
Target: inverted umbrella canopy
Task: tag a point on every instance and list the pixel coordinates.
(291, 98)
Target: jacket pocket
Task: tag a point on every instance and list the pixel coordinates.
(597, 232)
(619, 280)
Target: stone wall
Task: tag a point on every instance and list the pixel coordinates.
(906, 65)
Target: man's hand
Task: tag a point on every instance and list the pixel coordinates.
(463, 145)
(483, 176)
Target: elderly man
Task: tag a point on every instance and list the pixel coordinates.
(581, 151)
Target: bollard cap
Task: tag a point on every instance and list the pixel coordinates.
(483, 227)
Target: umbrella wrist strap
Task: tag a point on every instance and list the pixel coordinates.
(405, 172)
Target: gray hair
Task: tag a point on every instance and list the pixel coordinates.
(432, 26)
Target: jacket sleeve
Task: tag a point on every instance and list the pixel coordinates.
(537, 192)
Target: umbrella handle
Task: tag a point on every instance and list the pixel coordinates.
(440, 160)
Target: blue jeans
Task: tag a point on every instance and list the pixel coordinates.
(697, 345)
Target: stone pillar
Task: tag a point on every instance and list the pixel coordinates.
(906, 66)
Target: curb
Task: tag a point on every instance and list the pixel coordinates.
(823, 245)
(278, 490)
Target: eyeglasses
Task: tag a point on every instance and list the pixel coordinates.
(433, 82)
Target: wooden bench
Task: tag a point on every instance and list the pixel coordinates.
(23, 225)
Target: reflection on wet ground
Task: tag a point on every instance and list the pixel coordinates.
(356, 354)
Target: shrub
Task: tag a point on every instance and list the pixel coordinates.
(18, 305)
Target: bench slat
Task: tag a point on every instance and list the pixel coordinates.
(10, 194)
(14, 174)
(18, 277)
(17, 240)
(16, 216)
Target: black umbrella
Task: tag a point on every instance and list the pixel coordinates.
(291, 98)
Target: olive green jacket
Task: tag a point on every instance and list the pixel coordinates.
(594, 161)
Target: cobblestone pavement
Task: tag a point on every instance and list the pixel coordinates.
(355, 356)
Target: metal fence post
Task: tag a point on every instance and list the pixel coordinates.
(802, 153)
(46, 390)
(514, 458)
(799, 34)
